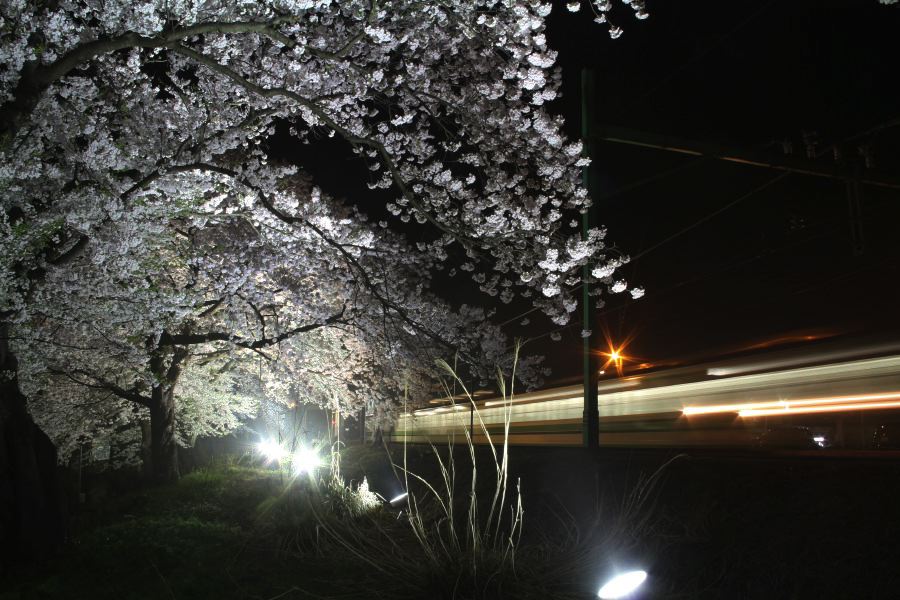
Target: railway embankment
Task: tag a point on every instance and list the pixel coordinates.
(715, 524)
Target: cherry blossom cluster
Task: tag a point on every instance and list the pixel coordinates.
(145, 227)
(602, 9)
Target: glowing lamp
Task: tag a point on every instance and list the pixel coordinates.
(305, 460)
(396, 499)
(622, 585)
(271, 450)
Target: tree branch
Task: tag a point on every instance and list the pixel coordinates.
(279, 92)
(131, 395)
(37, 78)
(191, 339)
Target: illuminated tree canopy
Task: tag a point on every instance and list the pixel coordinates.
(146, 235)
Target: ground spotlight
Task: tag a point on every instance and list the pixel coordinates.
(271, 450)
(622, 585)
(305, 460)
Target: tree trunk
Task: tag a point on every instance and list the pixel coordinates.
(32, 508)
(163, 449)
(146, 451)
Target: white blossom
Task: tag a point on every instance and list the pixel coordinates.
(152, 211)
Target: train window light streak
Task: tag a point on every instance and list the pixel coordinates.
(764, 365)
(788, 410)
(865, 384)
(784, 405)
(764, 384)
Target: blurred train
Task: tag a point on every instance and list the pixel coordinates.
(834, 395)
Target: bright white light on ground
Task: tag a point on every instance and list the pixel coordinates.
(399, 498)
(305, 460)
(271, 450)
(622, 585)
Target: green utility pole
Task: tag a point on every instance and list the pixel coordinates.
(590, 425)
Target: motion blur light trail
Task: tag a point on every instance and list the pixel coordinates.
(665, 408)
(768, 412)
(806, 405)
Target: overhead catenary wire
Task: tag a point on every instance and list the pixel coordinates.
(702, 54)
(675, 235)
(703, 219)
(656, 176)
(711, 215)
(690, 281)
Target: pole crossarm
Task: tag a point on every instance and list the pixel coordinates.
(791, 164)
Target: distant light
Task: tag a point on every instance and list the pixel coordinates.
(614, 356)
(399, 498)
(305, 460)
(622, 585)
(271, 450)
(819, 438)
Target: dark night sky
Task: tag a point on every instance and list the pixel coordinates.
(779, 263)
(776, 264)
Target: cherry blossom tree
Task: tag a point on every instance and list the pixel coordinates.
(152, 294)
(444, 101)
(143, 222)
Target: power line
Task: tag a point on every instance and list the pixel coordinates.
(675, 72)
(698, 278)
(675, 235)
(709, 216)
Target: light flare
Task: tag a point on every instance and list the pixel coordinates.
(273, 451)
(305, 460)
(622, 585)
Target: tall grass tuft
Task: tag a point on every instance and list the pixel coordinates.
(459, 533)
(482, 544)
(442, 544)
